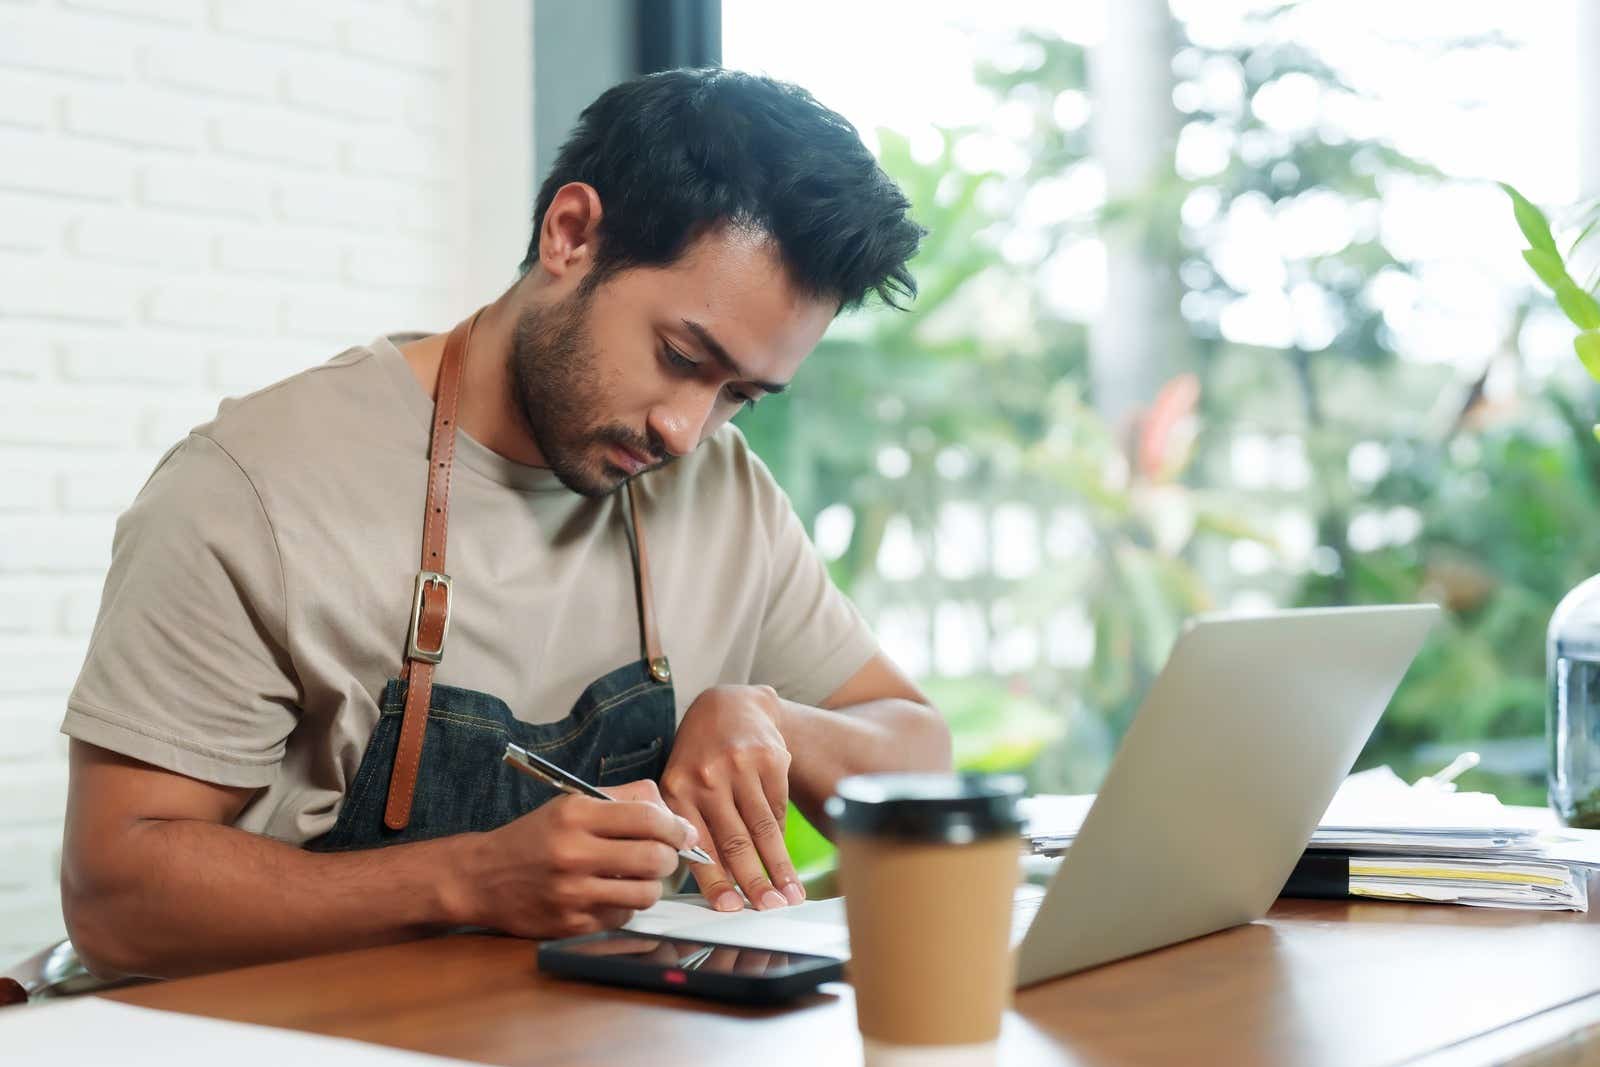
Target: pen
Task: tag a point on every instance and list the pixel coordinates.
(1443, 780)
(693, 960)
(538, 767)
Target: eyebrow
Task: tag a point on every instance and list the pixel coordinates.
(720, 354)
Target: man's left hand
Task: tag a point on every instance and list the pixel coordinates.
(729, 776)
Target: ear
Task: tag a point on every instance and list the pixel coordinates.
(570, 228)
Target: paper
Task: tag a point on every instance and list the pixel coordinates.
(1412, 842)
(1373, 810)
(90, 1031)
(1490, 883)
(1381, 798)
(1580, 848)
(817, 927)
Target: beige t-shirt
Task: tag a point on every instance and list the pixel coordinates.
(260, 588)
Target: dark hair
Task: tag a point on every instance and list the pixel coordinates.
(676, 153)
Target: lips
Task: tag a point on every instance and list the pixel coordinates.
(630, 461)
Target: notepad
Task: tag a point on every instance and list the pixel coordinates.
(817, 927)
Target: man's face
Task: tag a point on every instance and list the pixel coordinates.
(627, 377)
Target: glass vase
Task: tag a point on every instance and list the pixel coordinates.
(1572, 711)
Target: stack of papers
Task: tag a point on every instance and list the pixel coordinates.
(1406, 842)
(1376, 809)
(1531, 884)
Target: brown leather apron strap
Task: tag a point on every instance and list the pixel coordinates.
(649, 633)
(430, 599)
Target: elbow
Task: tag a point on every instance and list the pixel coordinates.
(95, 950)
(98, 939)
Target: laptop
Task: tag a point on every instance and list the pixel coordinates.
(1213, 795)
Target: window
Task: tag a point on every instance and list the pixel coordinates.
(1219, 311)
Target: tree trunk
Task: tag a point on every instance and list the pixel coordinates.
(1139, 341)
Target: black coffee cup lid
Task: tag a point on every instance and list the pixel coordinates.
(948, 808)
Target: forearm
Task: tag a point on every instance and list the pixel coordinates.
(178, 896)
(880, 735)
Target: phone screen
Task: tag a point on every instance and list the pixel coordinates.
(687, 955)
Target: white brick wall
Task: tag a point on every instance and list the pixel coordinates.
(199, 197)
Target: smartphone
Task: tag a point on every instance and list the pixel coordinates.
(692, 967)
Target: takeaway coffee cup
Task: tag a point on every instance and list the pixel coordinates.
(928, 864)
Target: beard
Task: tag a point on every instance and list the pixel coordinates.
(556, 388)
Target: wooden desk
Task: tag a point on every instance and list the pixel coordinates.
(1316, 982)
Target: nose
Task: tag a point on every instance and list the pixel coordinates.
(680, 424)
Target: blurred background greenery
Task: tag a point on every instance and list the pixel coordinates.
(1028, 544)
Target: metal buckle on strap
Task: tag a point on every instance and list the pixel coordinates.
(414, 650)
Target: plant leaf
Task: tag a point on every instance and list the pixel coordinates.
(1593, 213)
(1588, 345)
(1535, 227)
(1579, 306)
(1548, 267)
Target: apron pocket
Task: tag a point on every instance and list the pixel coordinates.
(624, 766)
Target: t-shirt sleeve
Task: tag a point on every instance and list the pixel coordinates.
(812, 638)
(188, 668)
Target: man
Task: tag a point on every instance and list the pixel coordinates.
(275, 688)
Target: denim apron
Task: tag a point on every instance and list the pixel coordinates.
(620, 729)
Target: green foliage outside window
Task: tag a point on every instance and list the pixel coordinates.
(1500, 501)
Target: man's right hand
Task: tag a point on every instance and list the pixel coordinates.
(576, 865)
(156, 882)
